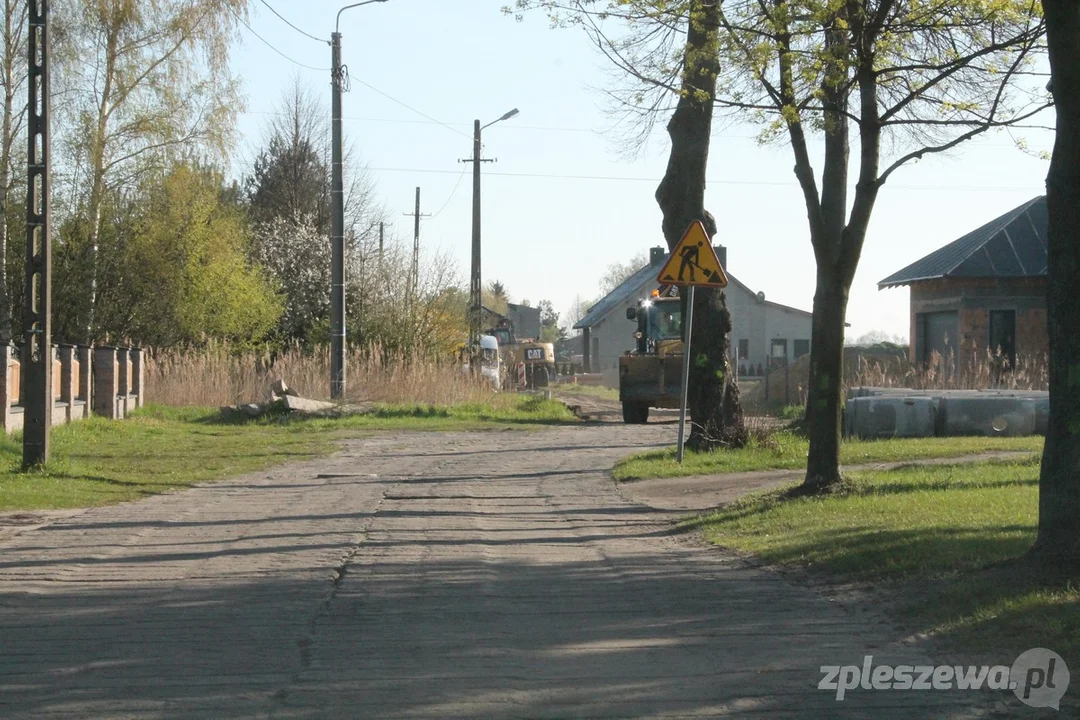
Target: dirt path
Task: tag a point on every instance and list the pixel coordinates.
(705, 492)
(494, 574)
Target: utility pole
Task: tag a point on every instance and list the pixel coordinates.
(37, 361)
(414, 274)
(476, 291)
(337, 231)
(338, 79)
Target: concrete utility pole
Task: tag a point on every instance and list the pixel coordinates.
(414, 274)
(338, 77)
(476, 289)
(37, 360)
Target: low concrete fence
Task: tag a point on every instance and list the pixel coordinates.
(105, 381)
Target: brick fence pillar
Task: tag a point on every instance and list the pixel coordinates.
(6, 379)
(106, 382)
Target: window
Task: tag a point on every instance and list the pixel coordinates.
(1003, 335)
(744, 349)
(802, 347)
(778, 349)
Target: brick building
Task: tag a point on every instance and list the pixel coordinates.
(985, 291)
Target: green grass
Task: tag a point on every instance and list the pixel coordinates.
(98, 462)
(788, 451)
(941, 539)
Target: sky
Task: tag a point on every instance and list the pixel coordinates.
(565, 199)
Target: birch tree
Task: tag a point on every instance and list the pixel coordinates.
(141, 83)
(13, 77)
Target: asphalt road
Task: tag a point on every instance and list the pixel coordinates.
(481, 575)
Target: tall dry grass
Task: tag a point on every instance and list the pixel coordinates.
(218, 375)
(977, 371)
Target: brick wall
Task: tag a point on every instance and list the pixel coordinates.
(1031, 334)
(973, 299)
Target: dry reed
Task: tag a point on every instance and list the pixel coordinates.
(218, 375)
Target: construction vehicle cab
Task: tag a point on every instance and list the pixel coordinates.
(538, 357)
(651, 374)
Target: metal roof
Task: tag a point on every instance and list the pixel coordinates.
(628, 291)
(1011, 246)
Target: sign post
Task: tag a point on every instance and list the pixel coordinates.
(693, 262)
(685, 373)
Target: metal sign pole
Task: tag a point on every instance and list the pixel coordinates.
(685, 372)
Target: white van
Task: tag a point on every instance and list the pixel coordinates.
(490, 362)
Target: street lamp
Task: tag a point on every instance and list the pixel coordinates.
(337, 218)
(475, 286)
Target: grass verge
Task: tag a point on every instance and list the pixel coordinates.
(944, 540)
(98, 462)
(786, 450)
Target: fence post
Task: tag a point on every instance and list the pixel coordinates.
(106, 382)
(84, 353)
(137, 376)
(123, 363)
(67, 380)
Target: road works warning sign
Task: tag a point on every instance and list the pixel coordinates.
(693, 261)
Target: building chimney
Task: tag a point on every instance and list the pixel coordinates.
(657, 255)
(721, 255)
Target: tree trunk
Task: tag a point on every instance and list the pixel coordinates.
(1059, 482)
(823, 400)
(715, 409)
(715, 406)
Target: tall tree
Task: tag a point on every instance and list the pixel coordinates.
(13, 78)
(915, 78)
(1059, 482)
(291, 175)
(715, 407)
(143, 83)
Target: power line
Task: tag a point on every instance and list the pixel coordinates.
(464, 169)
(371, 87)
(766, 183)
(269, 45)
(286, 21)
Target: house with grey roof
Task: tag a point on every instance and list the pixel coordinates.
(984, 291)
(763, 332)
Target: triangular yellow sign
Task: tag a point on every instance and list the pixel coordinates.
(693, 261)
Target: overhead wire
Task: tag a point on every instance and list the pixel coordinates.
(371, 87)
(286, 21)
(271, 46)
(766, 183)
(452, 193)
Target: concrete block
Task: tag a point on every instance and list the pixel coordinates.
(989, 415)
(881, 417)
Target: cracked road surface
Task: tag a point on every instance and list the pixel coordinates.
(493, 574)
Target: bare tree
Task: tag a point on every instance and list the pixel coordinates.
(912, 79)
